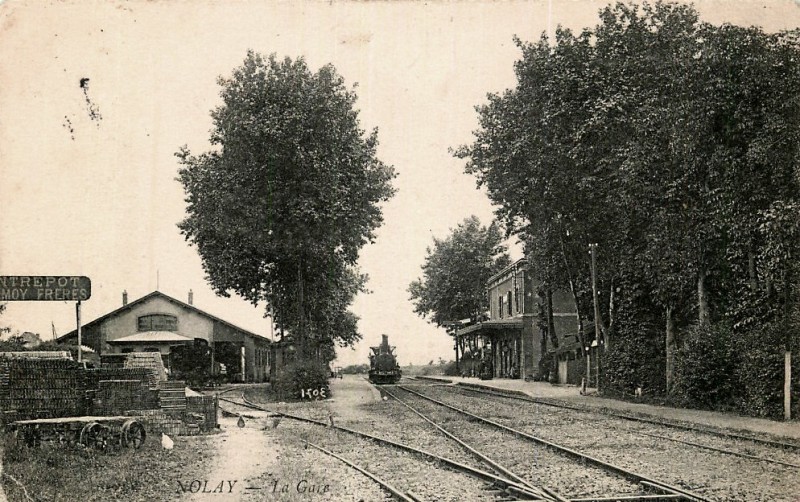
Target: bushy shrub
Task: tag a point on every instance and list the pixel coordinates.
(429, 369)
(294, 380)
(450, 369)
(760, 371)
(636, 359)
(705, 367)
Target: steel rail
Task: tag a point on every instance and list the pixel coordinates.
(633, 498)
(512, 486)
(604, 411)
(543, 491)
(650, 422)
(384, 484)
(631, 475)
(720, 450)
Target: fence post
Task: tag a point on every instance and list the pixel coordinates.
(787, 385)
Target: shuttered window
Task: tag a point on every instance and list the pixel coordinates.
(158, 322)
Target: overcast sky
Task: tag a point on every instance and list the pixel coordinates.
(87, 174)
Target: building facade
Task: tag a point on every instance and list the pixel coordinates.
(160, 323)
(511, 343)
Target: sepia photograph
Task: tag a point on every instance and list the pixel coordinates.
(424, 251)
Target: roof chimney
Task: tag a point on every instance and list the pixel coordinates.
(124, 297)
(191, 297)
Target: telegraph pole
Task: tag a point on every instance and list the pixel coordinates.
(593, 251)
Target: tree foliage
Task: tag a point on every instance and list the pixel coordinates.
(455, 272)
(291, 190)
(672, 144)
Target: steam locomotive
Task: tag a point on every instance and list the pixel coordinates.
(383, 367)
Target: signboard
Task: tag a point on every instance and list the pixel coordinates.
(44, 288)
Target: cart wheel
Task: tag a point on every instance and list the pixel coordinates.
(94, 435)
(133, 434)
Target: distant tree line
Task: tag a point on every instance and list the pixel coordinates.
(673, 145)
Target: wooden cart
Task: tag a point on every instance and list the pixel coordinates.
(101, 433)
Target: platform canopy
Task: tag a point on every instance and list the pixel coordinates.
(153, 337)
(492, 325)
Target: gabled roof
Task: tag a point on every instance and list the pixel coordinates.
(159, 294)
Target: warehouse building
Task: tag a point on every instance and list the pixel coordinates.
(160, 323)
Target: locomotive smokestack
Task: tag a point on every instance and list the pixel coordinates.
(385, 341)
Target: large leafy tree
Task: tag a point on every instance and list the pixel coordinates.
(455, 272)
(671, 143)
(291, 190)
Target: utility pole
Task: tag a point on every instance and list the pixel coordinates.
(593, 251)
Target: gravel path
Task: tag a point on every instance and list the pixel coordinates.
(242, 454)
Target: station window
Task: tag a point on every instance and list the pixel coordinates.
(500, 305)
(158, 322)
(510, 304)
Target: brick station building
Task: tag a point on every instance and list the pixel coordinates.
(511, 339)
(158, 323)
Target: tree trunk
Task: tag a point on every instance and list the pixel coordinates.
(751, 269)
(302, 339)
(703, 314)
(458, 370)
(551, 325)
(670, 349)
(572, 290)
(611, 315)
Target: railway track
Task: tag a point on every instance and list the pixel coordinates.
(658, 490)
(632, 418)
(405, 497)
(668, 425)
(499, 488)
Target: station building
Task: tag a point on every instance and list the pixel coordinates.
(511, 342)
(159, 323)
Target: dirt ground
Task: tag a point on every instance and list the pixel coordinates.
(247, 461)
(241, 454)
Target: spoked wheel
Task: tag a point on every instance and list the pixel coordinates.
(133, 434)
(94, 435)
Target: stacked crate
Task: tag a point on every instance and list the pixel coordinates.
(156, 422)
(172, 397)
(106, 373)
(114, 397)
(151, 361)
(204, 411)
(41, 388)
